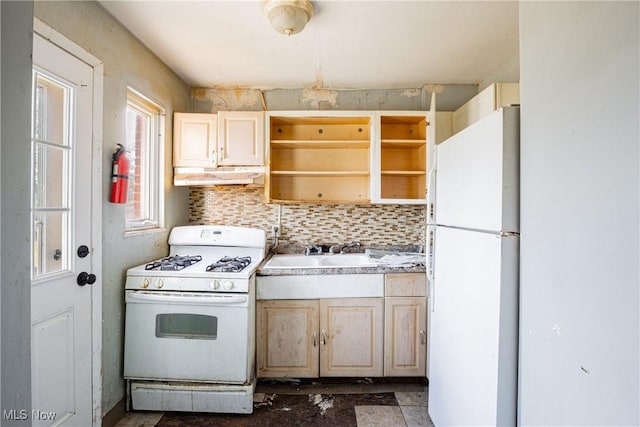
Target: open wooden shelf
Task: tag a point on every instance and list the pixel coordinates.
(319, 173)
(402, 143)
(328, 158)
(320, 188)
(404, 173)
(320, 159)
(323, 144)
(403, 160)
(403, 187)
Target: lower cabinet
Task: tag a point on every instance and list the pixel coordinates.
(346, 337)
(287, 338)
(405, 337)
(341, 337)
(351, 336)
(405, 334)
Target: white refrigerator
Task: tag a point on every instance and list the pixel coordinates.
(473, 242)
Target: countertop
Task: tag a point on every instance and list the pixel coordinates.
(338, 270)
(335, 270)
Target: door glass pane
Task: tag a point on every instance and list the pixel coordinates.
(50, 248)
(50, 115)
(51, 146)
(49, 176)
(184, 325)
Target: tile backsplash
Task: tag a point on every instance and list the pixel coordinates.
(371, 225)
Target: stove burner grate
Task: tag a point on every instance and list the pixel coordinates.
(174, 263)
(230, 264)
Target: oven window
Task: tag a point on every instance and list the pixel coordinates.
(185, 325)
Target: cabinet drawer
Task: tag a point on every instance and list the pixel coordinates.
(405, 285)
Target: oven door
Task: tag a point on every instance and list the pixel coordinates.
(188, 336)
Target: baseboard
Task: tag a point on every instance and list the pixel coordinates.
(114, 415)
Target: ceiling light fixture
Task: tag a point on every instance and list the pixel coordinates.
(288, 16)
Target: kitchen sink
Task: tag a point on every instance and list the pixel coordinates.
(320, 261)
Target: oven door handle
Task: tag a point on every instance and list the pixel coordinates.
(183, 298)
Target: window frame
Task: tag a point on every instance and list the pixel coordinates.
(152, 178)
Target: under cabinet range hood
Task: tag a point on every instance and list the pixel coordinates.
(218, 176)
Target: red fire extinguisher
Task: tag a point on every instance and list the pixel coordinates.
(119, 175)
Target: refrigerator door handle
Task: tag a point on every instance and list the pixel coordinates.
(431, 197)
(431, 243)
(431, 237)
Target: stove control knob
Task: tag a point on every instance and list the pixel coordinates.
(227, 285)
(145, 283)
(160, 284)
(214, 284)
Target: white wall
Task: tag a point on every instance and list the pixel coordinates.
(509, 72)
(15, 280)
(579, 335)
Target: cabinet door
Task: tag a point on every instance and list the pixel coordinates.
(405, 338)
(287, 338)
(194, 140)
(351, 333)
(241, 138)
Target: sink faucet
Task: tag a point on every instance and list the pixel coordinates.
(343, 247)
(312, 248)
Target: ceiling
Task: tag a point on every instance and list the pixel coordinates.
(346, 45)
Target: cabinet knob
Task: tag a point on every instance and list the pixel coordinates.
(423, 337)
(323, 337)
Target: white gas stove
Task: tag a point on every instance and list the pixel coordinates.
(190, 322)
(203, 258)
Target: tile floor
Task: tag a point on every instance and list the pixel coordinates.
(410, 412)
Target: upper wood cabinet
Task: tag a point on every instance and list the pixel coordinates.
(347, 157)
(240, 138)
(400, 158)
(321, 158)
(229, 138)
(194, 140)
(491, 98)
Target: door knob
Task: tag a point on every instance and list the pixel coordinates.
(85, 278)
(82, 278)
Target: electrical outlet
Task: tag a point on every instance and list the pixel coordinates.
(275, 230)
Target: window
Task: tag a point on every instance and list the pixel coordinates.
(51, 173)
(145, 148)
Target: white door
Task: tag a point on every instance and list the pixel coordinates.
(61, 309)
(478, 175)
(474, 335)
